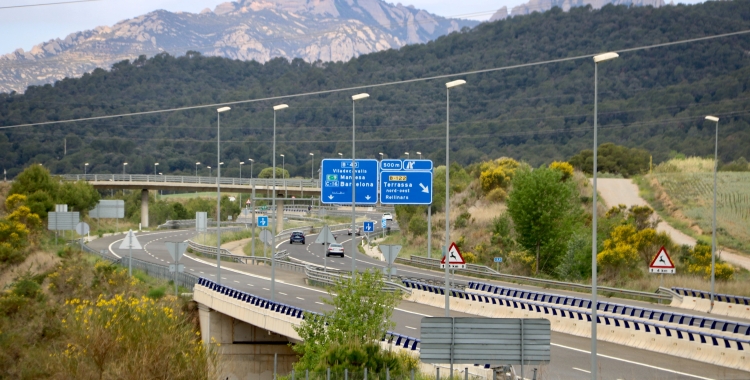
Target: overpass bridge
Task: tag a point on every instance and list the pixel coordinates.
(284, 187)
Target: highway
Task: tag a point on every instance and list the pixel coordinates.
(570, 354)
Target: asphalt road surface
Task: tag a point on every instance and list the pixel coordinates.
(570, 354)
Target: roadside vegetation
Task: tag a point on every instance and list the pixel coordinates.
(68, 315)
(538, 220)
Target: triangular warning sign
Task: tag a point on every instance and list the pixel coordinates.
(455, 260)
(130, 241)
(661, 263)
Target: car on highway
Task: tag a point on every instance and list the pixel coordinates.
(297, 237)
(356, 232)
(335, 249)
(387, 216)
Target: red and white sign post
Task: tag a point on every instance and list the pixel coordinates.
(662, 263)
(455, 260)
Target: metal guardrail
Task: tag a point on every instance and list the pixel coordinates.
(211, 252)
(281, 184)
(315, 274)
(481, 270)
(738, 300)
(186, 280)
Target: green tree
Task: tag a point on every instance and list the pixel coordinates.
(268, 173)
(361, 315)
(79, 195)
(36, 183)
(544, 213)
(613, 159)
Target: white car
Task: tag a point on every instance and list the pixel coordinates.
(335, 249)
(387, 216)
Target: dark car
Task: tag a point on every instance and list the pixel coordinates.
(297, 237)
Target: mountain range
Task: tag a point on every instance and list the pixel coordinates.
(313, 30)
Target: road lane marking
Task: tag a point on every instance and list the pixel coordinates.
(319, 303)
(236, 281)
(250, 285)
(266, 289)
(582, 370)
(632, 362)
(300, 298)
(283, 294)
(409, 327)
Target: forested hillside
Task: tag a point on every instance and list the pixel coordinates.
(653, 99)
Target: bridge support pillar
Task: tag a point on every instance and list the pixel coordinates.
(246, 351)
(279, 215)
(144, 208)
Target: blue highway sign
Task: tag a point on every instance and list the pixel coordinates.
(262, 221)
(383, 223)
(369, 226)
(411, 185)
(498, 259)
(336, 179)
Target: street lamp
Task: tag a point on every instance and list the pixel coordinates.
(251, 167)
(420, 155)
(196, 168)
(85, 167)
(209, 171)
(594, 304)
(448, 87)
(713, 233)
(155, 165)
(354, 189)
(276, 219)
(407, 155)
(124, 165)
(312, 165)
(341, 155)
(283, 165)
(240, 194)
(218, 192)
(381, 156)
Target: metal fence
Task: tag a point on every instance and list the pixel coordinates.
(281, 184)
(484, 271)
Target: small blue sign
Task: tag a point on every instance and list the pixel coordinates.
(406, 187)
(383, 223)
(418, 165)
(337, 181)
(262, 221)
(391, 164)
(369, 226)
(498, 259)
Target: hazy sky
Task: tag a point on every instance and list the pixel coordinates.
(29, 26)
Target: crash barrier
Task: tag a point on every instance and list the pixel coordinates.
(615, 308)
(186, 280)
(485, 271)
(322, 276)
(702, 346)
(724, 304)
(211, 252)
(258, 182)
(296, 313)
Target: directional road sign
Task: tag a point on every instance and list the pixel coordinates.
(498, 259)
(176, 249)
(201, 221)
(383, 223)
(662, 263)
(130, 241)
(406, 182)
(62, 221)
(337, 181)
(369, 226)
(263, 221)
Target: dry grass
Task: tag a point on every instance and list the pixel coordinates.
(651, 282)
(38, 262)
(687, 165)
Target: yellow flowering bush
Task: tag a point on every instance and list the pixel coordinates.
(497, 174)
(699, 263)
(565, 168)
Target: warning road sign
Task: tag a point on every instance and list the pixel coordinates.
(455, 260)
(662, 263)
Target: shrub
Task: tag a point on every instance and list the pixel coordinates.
(463, 219)
(563, 167)
(418, 225)
(497, 195)
(698, 260)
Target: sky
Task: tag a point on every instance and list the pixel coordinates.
(24, 27)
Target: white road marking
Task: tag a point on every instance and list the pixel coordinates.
(283, 294)
(582, 370)
(632, 362)
(266, 289)
(319, 303)
(236, 281)
(250, 285)
(300, 298)
(201, 272)
(409, 327)
(192, 270)
(412, 312)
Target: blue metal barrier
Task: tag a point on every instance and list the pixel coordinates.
(739, 300)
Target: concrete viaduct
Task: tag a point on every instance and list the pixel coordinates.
(284, 187)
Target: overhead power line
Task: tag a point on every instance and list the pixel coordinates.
(377, 85)
(46, 4)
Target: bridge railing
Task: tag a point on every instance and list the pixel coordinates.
(281, 184)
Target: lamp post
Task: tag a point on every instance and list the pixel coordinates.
(448, 87)
(407, 155)
(85, 168)
(341, 155)
(283, 165)
(218, 192)
(251, 167)
(124, 165)
(155, 165)
(420, 155)
(354, 173)
(713, 233)
(312, 165)
(209, 171)
(381, 156)
(594, 303)
(240, 194)
(276, 219)
(196, 168)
